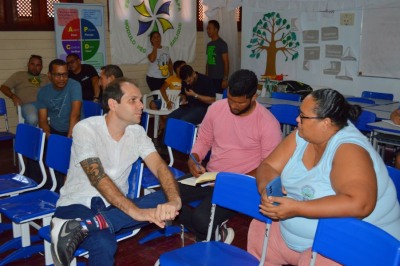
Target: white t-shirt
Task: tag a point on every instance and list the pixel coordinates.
(159, 68)
(91, 139)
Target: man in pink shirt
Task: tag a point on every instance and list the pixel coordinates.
(240, 133)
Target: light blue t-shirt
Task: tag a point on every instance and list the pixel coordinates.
(302, 184)
(59, 103)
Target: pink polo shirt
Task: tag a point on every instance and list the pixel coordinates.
(238, 143)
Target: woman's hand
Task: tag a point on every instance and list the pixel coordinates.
(285, 209)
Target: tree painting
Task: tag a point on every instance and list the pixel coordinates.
(273, 35)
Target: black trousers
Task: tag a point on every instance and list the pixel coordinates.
(197, 219)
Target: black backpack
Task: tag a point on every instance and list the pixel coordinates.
(296, 87)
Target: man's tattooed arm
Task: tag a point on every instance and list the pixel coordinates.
(94, 170)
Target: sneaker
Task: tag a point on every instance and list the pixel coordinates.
(226, 235)
(66, 235)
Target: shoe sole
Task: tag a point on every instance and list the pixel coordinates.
(54, 232)
(229, 236)
(56, 261)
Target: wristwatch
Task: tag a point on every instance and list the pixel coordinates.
(196, 95)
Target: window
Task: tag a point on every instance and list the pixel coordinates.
(28, 15)
(200, 16)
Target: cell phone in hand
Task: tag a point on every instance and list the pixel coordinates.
(274, 188)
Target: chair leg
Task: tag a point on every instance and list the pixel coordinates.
(156, 125)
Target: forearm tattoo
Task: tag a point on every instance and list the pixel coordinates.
(94, 170)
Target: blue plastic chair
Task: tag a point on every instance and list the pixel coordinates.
(179, 135)
(353, 242)
(236, 192)
(286, 114)
(39, 204)
(29, 142)
(91, 109)
(395, 176)
(377, 95)
(144, 121)
(6, 135)
(360, 100)
(286, 96)
(363, 120)
(133, 192)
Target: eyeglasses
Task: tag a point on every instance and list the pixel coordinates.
(309, 117)
(59, 75)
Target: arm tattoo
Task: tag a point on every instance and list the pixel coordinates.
(94, 170)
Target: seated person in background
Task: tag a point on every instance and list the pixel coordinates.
(395, 117)
(60, 101)
(172, 83)
(86, 75)
(199, 92)
(26, 85)
(328, 169)
(108, 73)
(103, 151)
(240, 133)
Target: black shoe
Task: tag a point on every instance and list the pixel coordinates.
(66, 235)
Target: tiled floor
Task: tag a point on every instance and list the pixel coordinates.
(130, 252)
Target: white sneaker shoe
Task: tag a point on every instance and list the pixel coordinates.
(226, 234)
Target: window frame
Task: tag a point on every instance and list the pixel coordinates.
(199, 22)
(9, 20)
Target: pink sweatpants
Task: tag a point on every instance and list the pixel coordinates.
(278, 252)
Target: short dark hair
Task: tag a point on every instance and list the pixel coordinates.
(332, 104)
(214, 23)
(34, 56)
(243, 82)
(186, 71)
(76, 56)
(112, 70)
(114, 91)
(177, 64)
(56, 62)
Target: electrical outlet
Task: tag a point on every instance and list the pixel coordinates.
(347, 19)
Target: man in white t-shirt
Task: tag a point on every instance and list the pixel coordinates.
(92, 205)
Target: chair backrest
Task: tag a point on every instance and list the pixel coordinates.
(58, 156)
(286, 96)
(180, 135)
(364, 119)
(91, 109)
(239, 192)
(29, 141)
(395, 176)
(3, 112)
(173, 96)
(353, 242)
(144, 121)
(285, 113)
(377, 95)
(134, 179)
(360, 100)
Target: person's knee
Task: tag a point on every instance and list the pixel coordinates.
(31, 119)
(200, 220)
(102, 247)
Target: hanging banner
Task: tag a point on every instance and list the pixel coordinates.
(131, 22)
(79, 29)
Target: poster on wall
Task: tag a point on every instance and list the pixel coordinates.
(132, 21)
(79, 29)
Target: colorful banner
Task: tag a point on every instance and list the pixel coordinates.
(131, 22)
(79, 29)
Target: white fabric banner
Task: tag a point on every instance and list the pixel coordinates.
(131, 22)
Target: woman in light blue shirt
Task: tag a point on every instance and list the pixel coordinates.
(328, 169)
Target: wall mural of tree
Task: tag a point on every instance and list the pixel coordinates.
(273, 35)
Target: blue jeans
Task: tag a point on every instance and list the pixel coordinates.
(30, 113)
(102, 244)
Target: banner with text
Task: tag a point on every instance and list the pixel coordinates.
(79, 29)
(131, 22)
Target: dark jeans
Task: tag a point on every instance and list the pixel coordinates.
(101, 244)
(197, 219)
(218, 85)
(191, 114)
